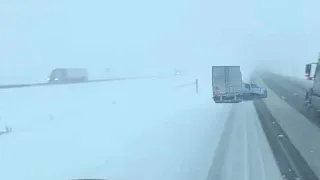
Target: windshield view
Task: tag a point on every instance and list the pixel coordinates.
(159, 90)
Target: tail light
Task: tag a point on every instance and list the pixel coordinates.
(217, 90)
(308, 76)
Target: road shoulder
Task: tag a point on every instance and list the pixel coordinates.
(243, 151)
(303, 134)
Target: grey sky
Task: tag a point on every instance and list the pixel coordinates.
(136, 36)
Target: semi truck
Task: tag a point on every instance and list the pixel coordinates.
(68, 75)
(227, 85)
(312, 96)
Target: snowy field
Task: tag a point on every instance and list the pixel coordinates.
(138, 129)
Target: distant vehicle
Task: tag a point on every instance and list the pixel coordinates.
(227, 84)
(68, 75)
(254, 90)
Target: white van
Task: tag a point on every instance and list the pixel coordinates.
(68, 75)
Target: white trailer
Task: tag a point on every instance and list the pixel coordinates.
(68, 75)
(227, 84)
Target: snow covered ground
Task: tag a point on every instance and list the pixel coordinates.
(29, 76)
(138, 129)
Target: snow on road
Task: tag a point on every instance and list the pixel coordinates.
(249, 155)
(139, 129)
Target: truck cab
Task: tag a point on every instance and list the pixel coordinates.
(312, 97)
(257, 90)
(254, 91)
(246, 88)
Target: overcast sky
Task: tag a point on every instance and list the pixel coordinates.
(142, 35)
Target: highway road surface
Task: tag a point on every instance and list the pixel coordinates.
(244, 152)
(272, 138)
(299, 133)
(293, 92)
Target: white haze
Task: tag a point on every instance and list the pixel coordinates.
(145, 37)
(133, 38)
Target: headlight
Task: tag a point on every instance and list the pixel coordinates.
(56, 79)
